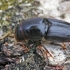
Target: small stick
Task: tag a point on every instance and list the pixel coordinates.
(7, 34)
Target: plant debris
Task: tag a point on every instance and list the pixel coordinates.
(13, 56)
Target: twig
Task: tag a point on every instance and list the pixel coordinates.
(7, 34)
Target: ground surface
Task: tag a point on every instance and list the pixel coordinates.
(12, 56)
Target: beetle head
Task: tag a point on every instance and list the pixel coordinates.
(34, 33)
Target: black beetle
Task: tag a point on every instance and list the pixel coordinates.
(37, 28)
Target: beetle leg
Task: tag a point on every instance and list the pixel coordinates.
(45, 52)
(25, 49)
(63, 45)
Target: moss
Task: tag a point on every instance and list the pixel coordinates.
(6, 3)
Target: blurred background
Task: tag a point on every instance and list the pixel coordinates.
(12, 12)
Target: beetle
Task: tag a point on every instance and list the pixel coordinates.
(35, 29)
(38, 28)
